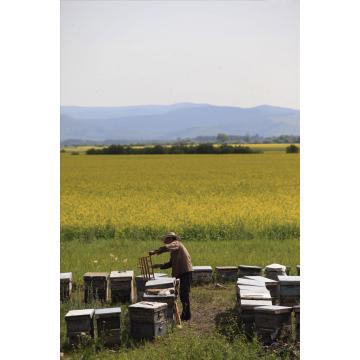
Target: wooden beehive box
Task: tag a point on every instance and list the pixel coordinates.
(96, 286)
(140, 281)
(272, 285)
(272, 321)
(108, 325)
(161, 283)
(226, 273)
(289, 290)
(274, 270)
(122, 286)
(79, 323)
(148, 320)
(167, 298)
(249, 270)
(65, 286)
(297, 321)
(202, 275)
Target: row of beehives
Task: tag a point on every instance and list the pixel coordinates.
(148, 319)
(117, 286)
(266, 304)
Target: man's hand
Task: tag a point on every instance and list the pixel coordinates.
(156, 266)
(153, 252)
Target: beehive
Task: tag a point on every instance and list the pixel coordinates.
(122, 286)
(140, 281)
(272, 321)
(297, 321)
(96, 286)
(108, 325)
(226, 273)
(249, 270)
(79, 323)
(289, 290)
(202, 275)
(161, 283)
(274, 270)
(148, 320)
(272, 285)
(65, 286)
(163, 297)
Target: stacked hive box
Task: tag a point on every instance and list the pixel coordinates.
(122, 286)
(161, 283)
(202, 275)
(140, 284)
(289, 290)
(247, 270)
(297, 321)
(250, 294)
(274, 270)
(148, 320)
(108, 325)
(226, 273)
(272, 322)
(65, 286)
(79, 323)
(96, 286)
(164, 296)
(272, 285)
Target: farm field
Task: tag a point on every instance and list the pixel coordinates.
(229, 210)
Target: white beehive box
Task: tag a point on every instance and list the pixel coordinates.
(108, 325)
(78, 324)
(122, 286)
(250, 270)
(65, 286)
(202, 275)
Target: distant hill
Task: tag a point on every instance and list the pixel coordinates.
(168, 122)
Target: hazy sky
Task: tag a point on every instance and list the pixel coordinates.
(242, 53)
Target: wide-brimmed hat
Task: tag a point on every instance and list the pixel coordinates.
(170, 235)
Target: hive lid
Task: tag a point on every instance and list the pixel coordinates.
(274, 309)
(160, 295)
(226, 268)
(83, 312)
(148, 305)
(157, 275)
(161, 281)
(260, 279)
(275, 267)
(289, 280)
(96, 275)
(107, 311)
(128, 274)
(66, 276)
(250, 267)
(244, 281)
(202, 268)
(252, 289)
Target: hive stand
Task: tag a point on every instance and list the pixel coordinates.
(226, 274)
(272, 321)
(122, 286)
(65, 286)
(148, 320)
(96, 286)
(249, 270)
(79, 323)
(108, 326)
(141, 280)
(289, 290)
(202, 275)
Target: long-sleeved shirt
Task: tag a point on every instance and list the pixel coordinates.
(180, 260)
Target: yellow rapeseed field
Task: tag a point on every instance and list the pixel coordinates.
(200, 196)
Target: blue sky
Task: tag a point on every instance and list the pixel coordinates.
(242, 53)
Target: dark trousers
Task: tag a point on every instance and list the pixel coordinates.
(185, 285)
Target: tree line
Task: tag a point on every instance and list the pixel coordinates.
(205, 148)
